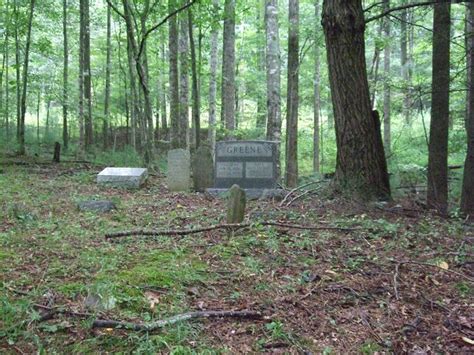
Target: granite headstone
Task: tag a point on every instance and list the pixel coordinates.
(179, 170)
(203, 168)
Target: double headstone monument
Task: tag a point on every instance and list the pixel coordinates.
(252, 165)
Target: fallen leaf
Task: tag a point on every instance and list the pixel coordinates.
(443, 265)
(467, 340)
(152, 298)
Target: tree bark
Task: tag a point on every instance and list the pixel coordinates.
(183, 48)
(228, 69)
(22, 149)
(213, 78)
(467, 195)
(105, 127)
(65, 75)
(360, 164)
(317, 92)
(291, 173)
(86, 54)
(195, 84)
(273, 75)
(437, 197)
(173, 80)
(387, 141)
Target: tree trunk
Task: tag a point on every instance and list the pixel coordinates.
(22, 149)
(360, 162)
(7, 77)
(65, 76)
(228, 69)
(195, 85)
(292, 96)
(17, 72)
(438, 148)
(183, 81)
(38, 101)
(273, 75)
(164, 123)
(81, 79)
(467, 196)
(174, 81)
(317, 92)
(261, 108)
(133, 102)
(86, 54)
(404, 64)
(105, 128)
(387, 141)
(213, 78)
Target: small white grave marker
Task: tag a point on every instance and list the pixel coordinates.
(127, 177)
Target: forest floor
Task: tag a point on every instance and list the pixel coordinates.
(400, 281)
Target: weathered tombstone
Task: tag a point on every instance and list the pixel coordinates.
(203, 168)
(236, 201)
(96, 206)
(57, 152)
(124, 177)
(179, 170)
(250, 164)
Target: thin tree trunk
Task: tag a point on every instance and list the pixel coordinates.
(89, 131)
(81, 79)
(17, 71)
(174, 80)
(317, 92)
(183, 81)
(134, 104)
(292, 96)
(213, 79)
(467, 196)
(360, 164)
(22, 149)
(437, 197)
(273, 75)
(164, 123)
(228, 69)
(261, 105)
(195, 85)
(48, 110)
(7, 76)
(404, 64)
(105, 128)
(65, 76)
(386, 85)
(38, 116)
(374, 70)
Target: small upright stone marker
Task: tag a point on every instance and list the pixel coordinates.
(179, 170)
(203, 168)
(125, 177)
(236, 205)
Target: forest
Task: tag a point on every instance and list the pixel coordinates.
(352, 121)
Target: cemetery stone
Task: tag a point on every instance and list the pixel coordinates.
(125, 177)
(236, 201)
(203, 168)
(179, 170)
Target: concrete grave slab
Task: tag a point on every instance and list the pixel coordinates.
(126, 177)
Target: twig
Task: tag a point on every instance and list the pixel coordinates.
(106, 323)
(296, 189)
(297, 197)
(231, 226)
(403, 7)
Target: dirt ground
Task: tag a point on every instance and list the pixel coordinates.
(382, 278)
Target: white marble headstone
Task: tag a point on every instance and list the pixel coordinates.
(127, 177)
(179, 170)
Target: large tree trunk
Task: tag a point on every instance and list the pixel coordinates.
(213, 78)
(467, 196)
(387, 141)
(228, 68)
(316, 93)
(105, 127)
(360, 163)
(438, 148)
(174, 81)
(195, 85)
(183, 81)
(65, 76)
(273, 75)
(291, 173)
(25, 79)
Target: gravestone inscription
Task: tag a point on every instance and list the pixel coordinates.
(249, 164)
(179, 170)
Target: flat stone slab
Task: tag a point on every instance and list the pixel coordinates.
(252, 194)
(126, 177)
(96, 206)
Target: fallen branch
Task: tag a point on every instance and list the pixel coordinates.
(231, 226)
(297, 197)
(296, 189)
(105, 323)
